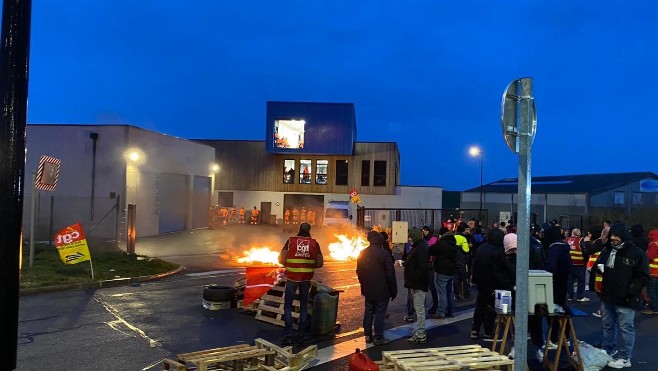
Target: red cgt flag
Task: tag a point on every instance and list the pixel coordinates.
(259, 280)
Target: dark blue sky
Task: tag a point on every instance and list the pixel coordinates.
(426, 74)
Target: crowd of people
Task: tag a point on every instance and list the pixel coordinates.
(620, 264)
(224, 215)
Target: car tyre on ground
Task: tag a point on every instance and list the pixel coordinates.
(219, 293)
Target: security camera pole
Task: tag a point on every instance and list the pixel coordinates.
(519, 124)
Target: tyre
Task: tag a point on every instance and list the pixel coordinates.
(219, 293)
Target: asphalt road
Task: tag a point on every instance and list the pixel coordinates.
(135, 327)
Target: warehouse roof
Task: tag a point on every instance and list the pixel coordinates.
(585, 183)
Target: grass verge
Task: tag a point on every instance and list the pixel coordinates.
(108, 262)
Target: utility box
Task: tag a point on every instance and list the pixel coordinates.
(540, 290)
(400, 232)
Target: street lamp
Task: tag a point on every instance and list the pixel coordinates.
(476, 151)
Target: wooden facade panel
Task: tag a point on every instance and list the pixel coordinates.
(244, 165)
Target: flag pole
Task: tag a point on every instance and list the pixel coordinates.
(92, 268)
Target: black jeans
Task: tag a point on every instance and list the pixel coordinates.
(376, 309)
(484, 314)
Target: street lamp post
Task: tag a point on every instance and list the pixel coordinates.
(475, 151)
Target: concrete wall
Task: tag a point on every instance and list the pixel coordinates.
(135, 182)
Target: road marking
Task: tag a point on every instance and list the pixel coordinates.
(119, 320)
(210, 273)
(346, 348)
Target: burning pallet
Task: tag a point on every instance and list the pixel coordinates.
(457, 358)
(261, 356)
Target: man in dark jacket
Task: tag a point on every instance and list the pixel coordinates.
(416, 277)
(445, 259)
(625, 271)
(483, 264)
(558, 262)
(430, 239)
(373, 264)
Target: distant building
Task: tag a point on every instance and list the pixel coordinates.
(574, 200)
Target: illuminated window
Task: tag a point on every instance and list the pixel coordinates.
(341, 172)
(321, 167)
(365, 173)
(380, 173)
(305, 171)
(289, 171)
(289, 133)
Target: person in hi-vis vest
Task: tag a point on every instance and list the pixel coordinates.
(301, 255)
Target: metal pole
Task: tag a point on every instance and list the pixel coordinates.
(116, 222)
(33, 211)
(524, 89)
(14, 57)
(481, 183)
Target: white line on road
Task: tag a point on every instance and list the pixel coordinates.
(210, 273)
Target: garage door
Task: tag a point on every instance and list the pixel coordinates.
(174, 200)
(200, 201)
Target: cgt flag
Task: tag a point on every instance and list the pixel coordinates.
(354, 196)
(72, 245)
(259, 281)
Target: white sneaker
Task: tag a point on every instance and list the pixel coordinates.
(540, 355)
(620, 363)
(583, 299)
(511, 354)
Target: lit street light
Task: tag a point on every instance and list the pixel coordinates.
(476, 151)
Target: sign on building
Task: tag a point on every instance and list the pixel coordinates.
(47, 173)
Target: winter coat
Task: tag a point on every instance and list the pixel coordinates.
(374, 268)
(417, 267)
(623, 283)
(445, 253)
(485, 257)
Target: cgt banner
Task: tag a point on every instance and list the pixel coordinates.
(260, 280)
(72, 245)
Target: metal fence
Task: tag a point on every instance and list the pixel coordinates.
(104, 219)
(369, 217)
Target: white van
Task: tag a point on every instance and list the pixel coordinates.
(338, 213)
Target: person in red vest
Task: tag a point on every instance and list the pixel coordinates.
(301, 255)
(652, 288)
(577, 272)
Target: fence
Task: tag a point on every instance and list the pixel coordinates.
(368, 217)
(54, 213)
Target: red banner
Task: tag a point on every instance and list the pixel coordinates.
(259, 280)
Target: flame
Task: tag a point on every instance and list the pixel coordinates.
(347, 247)
(260, 255)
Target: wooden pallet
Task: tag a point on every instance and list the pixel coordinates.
(270, 306)
(261, 356)
(457, 358)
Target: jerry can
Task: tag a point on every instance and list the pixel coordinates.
(359, 361)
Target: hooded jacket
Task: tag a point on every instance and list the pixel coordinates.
(445, 255)
(485, 257)
(416, 265)
(373, 265)
(623, 282)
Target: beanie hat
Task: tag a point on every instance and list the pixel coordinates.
(304, 227)
(375, 238)
(620, 231)
(509, 242)
(415, 235)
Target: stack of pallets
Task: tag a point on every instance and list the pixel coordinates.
(261, 356)
(457, 358)
(270, 306)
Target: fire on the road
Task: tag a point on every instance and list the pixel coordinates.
(347, 247)
(263, 255)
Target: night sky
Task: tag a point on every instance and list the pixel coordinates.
(428, 75)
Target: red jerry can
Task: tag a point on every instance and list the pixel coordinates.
(361, 362)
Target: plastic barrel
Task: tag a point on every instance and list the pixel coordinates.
(323, 321)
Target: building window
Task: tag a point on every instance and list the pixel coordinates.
(305, 171)
(341, 172)
(619, 198)
(637, 199)
(365, 173)
(380, 173)
(321, 167)
(288, 171)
